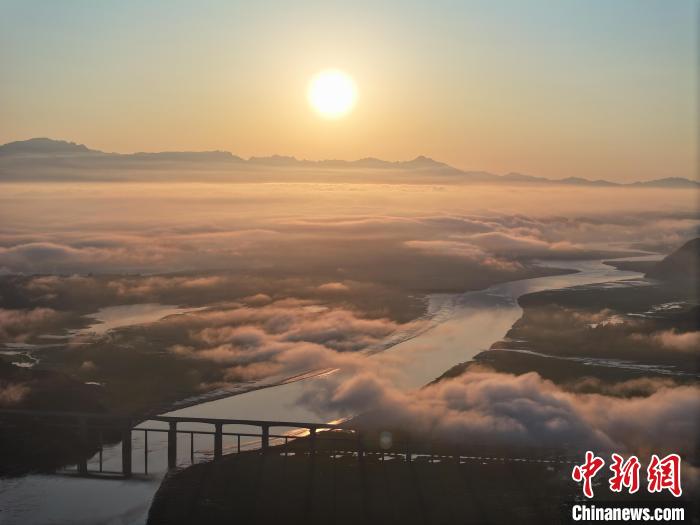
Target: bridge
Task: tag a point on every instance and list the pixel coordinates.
(299, 438)
(87, 424)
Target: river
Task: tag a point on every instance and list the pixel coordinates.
(463, 325)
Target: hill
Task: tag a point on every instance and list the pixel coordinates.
(44, 146)
(680, 266)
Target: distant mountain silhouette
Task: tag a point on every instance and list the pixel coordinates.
(44, 159)
(681, 265)
(43, 146)
(187, 156)
(274, 160)
(669, 182)
(420, 162)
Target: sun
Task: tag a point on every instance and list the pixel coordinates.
(332, 93)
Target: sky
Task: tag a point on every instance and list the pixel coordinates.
(593, 88)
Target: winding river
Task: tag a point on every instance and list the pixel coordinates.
(462, 326)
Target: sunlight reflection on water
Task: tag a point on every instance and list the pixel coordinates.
(112, 317)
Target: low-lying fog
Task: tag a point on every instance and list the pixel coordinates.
(282, 278)
(105, 227)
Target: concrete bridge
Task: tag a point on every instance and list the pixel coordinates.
(86, 424)
(331, 439)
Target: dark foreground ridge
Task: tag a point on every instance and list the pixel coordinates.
(291, 485)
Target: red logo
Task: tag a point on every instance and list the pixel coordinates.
(587, 471)
(662, 474)
(625, 474)
(665, 474)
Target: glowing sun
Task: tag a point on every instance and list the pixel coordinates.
(332, 93)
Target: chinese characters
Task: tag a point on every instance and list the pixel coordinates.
(662, 473)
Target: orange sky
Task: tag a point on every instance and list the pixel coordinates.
(593, 89)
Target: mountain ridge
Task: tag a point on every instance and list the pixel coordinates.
(44, 150)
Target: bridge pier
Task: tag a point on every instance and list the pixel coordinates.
(265, 438)
(84, 441)
(172, 444)
(218, 440)
(312, 440)
(126, 453)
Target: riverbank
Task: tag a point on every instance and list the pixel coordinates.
(638, 329)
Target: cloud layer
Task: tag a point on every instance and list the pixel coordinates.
(283, 337)
(126, 228)
(482, 407)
